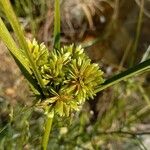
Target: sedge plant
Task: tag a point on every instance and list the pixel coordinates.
(61, 79)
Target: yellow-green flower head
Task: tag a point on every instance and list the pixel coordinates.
(68, 75)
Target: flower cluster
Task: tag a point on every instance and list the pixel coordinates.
(69, 77)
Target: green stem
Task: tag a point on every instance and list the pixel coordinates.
(131, 72)
(47, 131)
(57, 25)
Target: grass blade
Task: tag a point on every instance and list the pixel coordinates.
(140, 68)
(8, 10)
(57, 25)
(17, 55)
(10, 43)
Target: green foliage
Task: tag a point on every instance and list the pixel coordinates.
(133, 71)
(62, 79)
(8, 10)
(68, 75)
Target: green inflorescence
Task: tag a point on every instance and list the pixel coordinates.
(68, 75)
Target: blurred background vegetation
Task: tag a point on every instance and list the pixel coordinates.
(116, 35)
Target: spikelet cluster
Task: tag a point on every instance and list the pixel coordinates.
(69, 77)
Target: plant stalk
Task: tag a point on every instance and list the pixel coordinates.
(138, 31)
(57, 25)
(48, 126)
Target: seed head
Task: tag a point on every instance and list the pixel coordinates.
(68, 75)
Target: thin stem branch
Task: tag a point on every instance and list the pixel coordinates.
(140, 143)
(125, 55)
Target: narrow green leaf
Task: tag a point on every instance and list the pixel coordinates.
(8, 10)
(131, 72)
(17, 55)
(10, 43)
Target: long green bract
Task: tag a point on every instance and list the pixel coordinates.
(7, 8)
(17, 54)
(131, 72)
